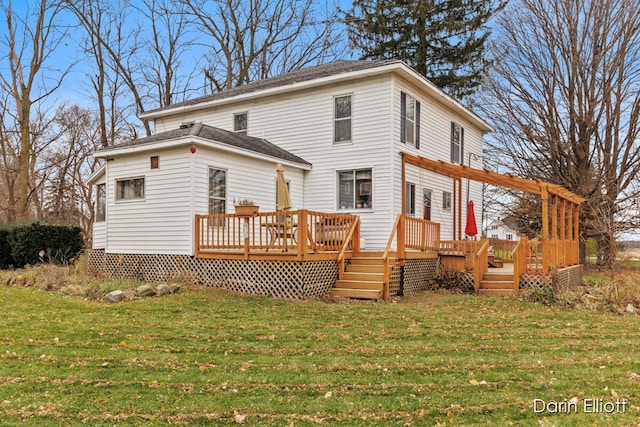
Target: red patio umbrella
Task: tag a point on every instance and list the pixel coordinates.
(471, 229)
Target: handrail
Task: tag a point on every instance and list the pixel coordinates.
(354, 225)
(481, 264)
(516, 256)
(385, 257)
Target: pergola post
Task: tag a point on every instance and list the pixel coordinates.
(563, 231)
(544, 195)
(554, 230)
(576, 234)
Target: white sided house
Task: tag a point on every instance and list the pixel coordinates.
(503, 229)
(338, 129)
(354, 138)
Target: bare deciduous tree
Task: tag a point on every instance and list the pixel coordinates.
(256, 39)
(27, 49)
(565, 97)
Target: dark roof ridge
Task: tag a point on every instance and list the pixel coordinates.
(297, 76)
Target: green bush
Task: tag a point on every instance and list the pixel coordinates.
(6, 260)
(36, 243)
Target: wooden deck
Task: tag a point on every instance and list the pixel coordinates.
(310, 236)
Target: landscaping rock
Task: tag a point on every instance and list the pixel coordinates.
(114, 296)
(73, 290)
(129, 293)
(162, 290)
(631, 309)
(145, 291)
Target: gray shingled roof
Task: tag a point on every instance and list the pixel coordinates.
(217, 135)
(305, 74)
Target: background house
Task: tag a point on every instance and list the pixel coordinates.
(503, 229)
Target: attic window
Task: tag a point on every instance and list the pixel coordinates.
(155, 162)
(240, 123)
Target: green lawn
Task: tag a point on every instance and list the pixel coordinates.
(210, 358)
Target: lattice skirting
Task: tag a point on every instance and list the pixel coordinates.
(419, 274)
(394, 279)
(560, 278)
(569, 277)
(281, 279)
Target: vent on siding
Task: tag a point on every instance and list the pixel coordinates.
(186, 125)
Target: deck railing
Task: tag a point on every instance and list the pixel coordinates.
(295, 233)
(519, 257)
(502, 248)
(459, 247)
(481, 264)
(421, 235)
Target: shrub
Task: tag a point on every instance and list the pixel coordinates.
(35, 243)
(6, 260)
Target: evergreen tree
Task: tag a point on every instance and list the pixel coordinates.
(442, 39)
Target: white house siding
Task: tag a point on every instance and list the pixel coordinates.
(247, 178)
(302, 123)
(435, 137)
(99, 234)
(161, 223)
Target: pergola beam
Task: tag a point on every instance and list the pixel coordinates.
(490, 177)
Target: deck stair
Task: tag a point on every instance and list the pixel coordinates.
(498, 284)
(363, 277)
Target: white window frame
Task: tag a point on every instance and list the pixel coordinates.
(410, 198)
(337, 119)
(355, 190)
(241, 131)
(457, 143)
(101, 214)
(210, 197)
(446, 201)
(122, 198)
(409, 122)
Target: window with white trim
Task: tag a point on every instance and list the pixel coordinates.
(130, 189)
(457, 143)
(101, 202)
(446, 201)
(342, 118)
(240, 122)
(217, 191)
(410, 198)
(409, 120)
(355, 189)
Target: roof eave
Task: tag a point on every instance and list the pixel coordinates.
(188, 140)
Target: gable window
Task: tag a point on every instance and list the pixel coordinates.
(217, 191)
(409, 120)
(101, 202)
(240, 123)
(130, 189)
(457, 143)
(410, 198)
(355, 189)
(446, 201)
(342, 118)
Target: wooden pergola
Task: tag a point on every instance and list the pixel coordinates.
(560, 207)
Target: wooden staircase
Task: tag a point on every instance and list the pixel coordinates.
(363, 277)
(498, 284)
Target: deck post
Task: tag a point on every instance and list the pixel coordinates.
(302, 234)
(196, 237)
(400, 239)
